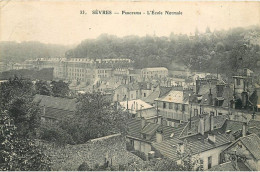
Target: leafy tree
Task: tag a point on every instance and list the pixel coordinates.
(99, 116)
(43, 88)
(17, 99)
(54, 133)
(18, 153)
(60, 88)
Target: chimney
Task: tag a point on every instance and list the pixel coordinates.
(159, 136)
(244, 129)
(244, 99)
(181, 147)
(201, 125)
(212, 137)
(211, 122)
(143, 122)
(210, 99)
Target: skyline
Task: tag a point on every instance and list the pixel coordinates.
(61, 22)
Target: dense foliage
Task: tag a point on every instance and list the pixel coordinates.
(95, 117)
(16, 97)
(19, 120)
(225, 50)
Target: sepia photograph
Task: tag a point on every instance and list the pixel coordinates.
(129, 85)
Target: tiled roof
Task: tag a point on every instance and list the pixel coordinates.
(195, 143)
(173, 96)
(150, 128)
(56, 102)
(252, 142)
(233, 126)
(255, 130)
(134, 127)
(168, 148)
(164, 91)
(219, 122)
(135, 130)
(154, 95)
(57, 113)
(254, 123)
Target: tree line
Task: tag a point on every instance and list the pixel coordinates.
(210, 51)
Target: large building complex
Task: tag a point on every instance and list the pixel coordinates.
(82, 69)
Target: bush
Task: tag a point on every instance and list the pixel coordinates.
(55, 134)
(84, 167)
(140, 155)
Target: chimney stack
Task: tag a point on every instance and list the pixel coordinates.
(244, 129)
(201, 127)
(143, 122)
(211, 122)
(181, 147)
(212, 137)
(210, 99)
(159, 136)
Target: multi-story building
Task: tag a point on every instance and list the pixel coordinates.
(154, 73)
(174, 105)
(83, 69)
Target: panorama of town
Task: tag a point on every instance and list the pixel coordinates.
(180, 102)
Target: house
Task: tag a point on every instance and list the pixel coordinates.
(244, 153)
(203, 145)
(55, 108)
(174, 105)
(154, 73)
(141, 133)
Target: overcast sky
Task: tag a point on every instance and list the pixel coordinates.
(61, 23)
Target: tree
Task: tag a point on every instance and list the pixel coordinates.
(43, 88)
(60, 88)
(18, 153)
(17, 100)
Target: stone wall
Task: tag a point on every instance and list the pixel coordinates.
(97, 151)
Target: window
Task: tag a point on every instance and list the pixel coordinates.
(144, 94)
(238, 81)
(209, 162)
(164, 105)
(132, 142)
(170, 105)
(212, 113)
(183, 107)
(195, 112)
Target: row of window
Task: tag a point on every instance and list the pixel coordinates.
(176, 106)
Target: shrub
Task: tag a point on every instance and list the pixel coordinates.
(140, 155)
(84, 167)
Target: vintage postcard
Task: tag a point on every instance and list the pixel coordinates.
(129, 85)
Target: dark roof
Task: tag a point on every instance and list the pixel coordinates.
(164, 91)
(219, 122)
(255, 130)
(254, 123)
(233, 126)
(252, 143)
(154, 95)
(135, 130)
(56, 102)
(195, 144)
(57, 113)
